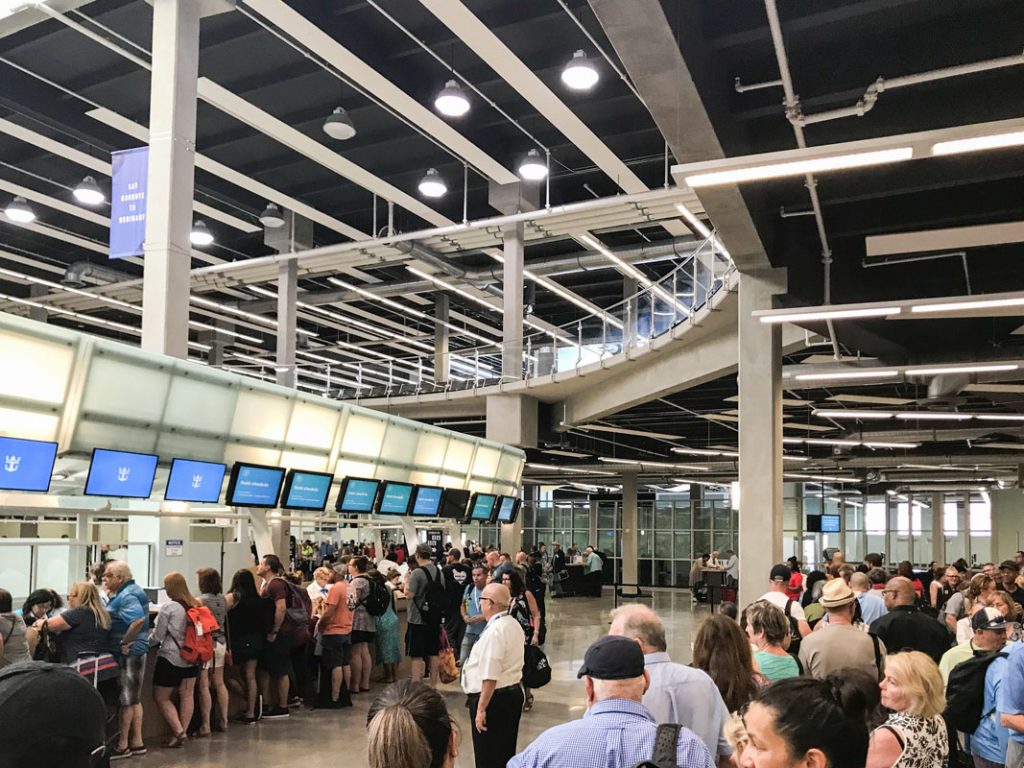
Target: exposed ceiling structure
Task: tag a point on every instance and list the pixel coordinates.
(682, 81)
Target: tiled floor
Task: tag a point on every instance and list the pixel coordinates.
(314, 738)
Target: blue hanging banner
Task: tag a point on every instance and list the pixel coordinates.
(128, 202)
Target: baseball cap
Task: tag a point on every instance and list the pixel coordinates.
(613, 658)
(1009, 565)
(836, 593)
(71, 711)
(781, 572)
(988, 618)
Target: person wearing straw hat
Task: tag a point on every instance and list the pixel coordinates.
(839, 643)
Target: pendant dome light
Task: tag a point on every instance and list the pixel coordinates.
(580, 74)
(452, 100)
(19, 211)
(339, 125)
(432, 185)
(201, 234)
(271, 218)
(533, 167)
(88, 192)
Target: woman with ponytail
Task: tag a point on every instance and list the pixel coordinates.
(800, 722)
(408, 726)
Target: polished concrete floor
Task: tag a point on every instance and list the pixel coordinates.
(312, 738)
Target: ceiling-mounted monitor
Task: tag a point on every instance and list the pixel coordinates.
(481, 507)
(27, 464)
(427, 501)
(357, 495)
(508, 509)
(813, 524)
(199, 482)
(120, 474)
(254, 485)
(395, 499)
(306, 490)
(454, 504)
(831, 524)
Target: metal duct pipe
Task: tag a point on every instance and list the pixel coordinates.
(431, 257)
(75, 274)
(945, 386)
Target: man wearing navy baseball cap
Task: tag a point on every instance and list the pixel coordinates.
(617, 731)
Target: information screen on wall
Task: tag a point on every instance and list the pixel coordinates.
(306, 490)
(427, 502)
(396, 499)
(254, 485)
(830, 524)
(482, 507)
(27, 464)
(455, 502)
(195, 481)
(508, 509)
(121, 474)
(357, 495)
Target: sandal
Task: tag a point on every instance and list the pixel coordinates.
(177, 742)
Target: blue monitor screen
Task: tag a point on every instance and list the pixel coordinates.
(27, 464)
(428, 501)
(507, 509)
(358, 496)
(830, 524)
(396, 499)
(483, 506)
(196, 481)
(307, 490)
(120, 473)
(253, 485)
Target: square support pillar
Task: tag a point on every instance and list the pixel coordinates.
(287, 296)
(169, 193)
(512, 419)
(760, 385)
(512, 318)
(442, 358)
(630, 539)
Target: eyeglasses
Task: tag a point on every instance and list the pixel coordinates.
(489, 600)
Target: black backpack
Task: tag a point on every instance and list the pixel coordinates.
(965, 692)
(794, 630)
(665, 749)
(378, 598)
(433, 602)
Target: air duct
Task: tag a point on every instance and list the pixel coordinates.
(75, 275)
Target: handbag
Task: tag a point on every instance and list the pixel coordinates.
(562, 575)
(46, 646)
(536, 668)
(447, 669)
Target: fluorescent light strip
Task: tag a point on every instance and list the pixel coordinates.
(842, 413)
(689, 481)
(666, 465)
(932, 416)
(800, 167)
(957, 306)
(979, 143)
(570, 470)
(846, 443)
(982, 368)
(706, 452)
(829, 314)
(203, 302)
(699, 227)
(1000, 417)
(895, 446)
(816, 477)
(919, 415)
(866, 373)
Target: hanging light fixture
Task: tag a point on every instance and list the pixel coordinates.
(18, 211)
(271, 218)
(201, 234)
(533, 167)
(339, 125)
(452, 100)
(432, 185)
(88, 192)
(580, 74)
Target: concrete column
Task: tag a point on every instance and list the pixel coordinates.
(287, 295)
(760, 385)
(938, 530)
(512, 321)
(629, 310)
(630, 539)
(512, 419)
(441, 335)
(39, 314)
(1007, 523)
(172, 140)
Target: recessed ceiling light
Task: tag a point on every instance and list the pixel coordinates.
(452, 100)
(88, 192)
(533, 167)
(339, 125)
(580, 74)
(201, 234)
(19, 211)
(432, 185)
(271, 218)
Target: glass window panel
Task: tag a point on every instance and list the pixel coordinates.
(701, 542)
(607, 541)
(663, 518)
(980, 520)
(682, 515)
(644, 543)
(681, 576)
(606, 517)
(812, 505)
(663, 573)
(581, 518)
(682, 545)
(874, 519)
(529, 516)
(646, 516)
(791, 514)
(545, 517)
(15, 566)
(723, 541)
(702, 515)
(663, 546)
(721, 516)
(854, 515)
(563, 516)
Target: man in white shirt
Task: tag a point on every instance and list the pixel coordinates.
(732, 565)
(780, 576)
(491, 679)
(677, 694)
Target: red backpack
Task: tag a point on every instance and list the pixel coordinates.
(197, 648)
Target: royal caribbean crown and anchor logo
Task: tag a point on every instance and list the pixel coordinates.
(11, 463)
(197, 480)
(123, 473)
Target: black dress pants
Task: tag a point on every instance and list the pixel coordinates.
(495, 747)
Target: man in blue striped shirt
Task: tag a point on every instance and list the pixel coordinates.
(617, 731)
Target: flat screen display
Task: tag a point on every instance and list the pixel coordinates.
(454, 504)
(482, 507)
(830, 524)
(195, 481)
(254, 485)
(508, 509)
(306, 490)
(427, 501)
(396, 499)
(813, 524)
(120, 473)
(358, 495)
(27, 464)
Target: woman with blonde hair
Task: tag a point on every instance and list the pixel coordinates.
(83, 628)
(1004, 603)
(979, 592)
(915, 733)
(768, 630)
(408, 726)
(172, 673)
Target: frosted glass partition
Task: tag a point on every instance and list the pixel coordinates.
(53, 567)
(85, 392)
(16, 569)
